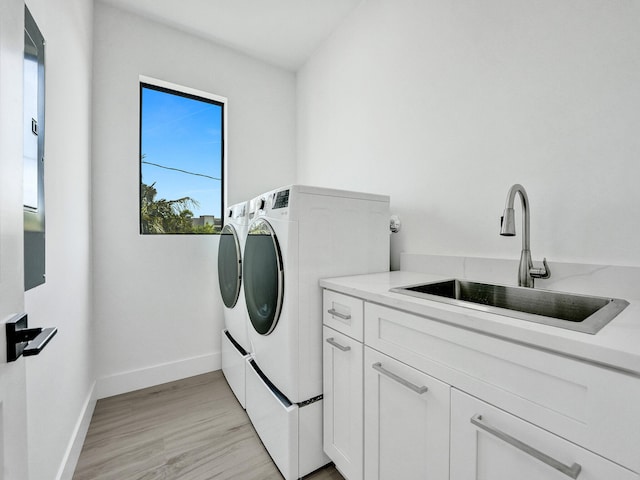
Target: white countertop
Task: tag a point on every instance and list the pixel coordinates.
(616, 345)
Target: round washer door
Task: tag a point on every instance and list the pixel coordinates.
(263, 277)
(229, 266)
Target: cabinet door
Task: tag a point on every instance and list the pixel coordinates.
(343, 410)
(406, 421)
(488, 443)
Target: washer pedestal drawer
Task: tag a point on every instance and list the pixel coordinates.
(291, 434)
(234, 364)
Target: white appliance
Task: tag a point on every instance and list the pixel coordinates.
(235, 339)
(298, 235)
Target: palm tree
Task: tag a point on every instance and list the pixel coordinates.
(164, 216)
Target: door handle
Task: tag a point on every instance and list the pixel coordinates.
(25, 341)
(35, 346)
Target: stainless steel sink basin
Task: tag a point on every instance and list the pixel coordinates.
(582, 313)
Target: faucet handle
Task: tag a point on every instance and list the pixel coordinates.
(543, 272)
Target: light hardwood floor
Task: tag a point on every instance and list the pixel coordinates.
(191, 429)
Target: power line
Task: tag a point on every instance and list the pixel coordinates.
(180, 170)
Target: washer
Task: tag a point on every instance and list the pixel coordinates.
(235, 339)
(300, 234)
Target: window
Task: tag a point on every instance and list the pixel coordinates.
(33, 153)
(182, 151)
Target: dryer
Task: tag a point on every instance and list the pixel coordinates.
(235, 340)
(300, 234)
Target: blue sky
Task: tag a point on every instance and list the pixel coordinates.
(186, 134)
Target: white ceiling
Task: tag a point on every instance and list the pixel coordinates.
(281, 32)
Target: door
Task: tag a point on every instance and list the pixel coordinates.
(490, 443)
(343, 407)
(263, 276)
(13, 423)
(229, 266)
(406, 421)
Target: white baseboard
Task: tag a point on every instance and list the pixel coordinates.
(157, 374)
(71, 455)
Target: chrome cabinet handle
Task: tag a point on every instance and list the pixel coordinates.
(573, 471)
(419, 390)
(331, 341)
(333, 312)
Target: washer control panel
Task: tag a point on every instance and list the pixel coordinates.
(282, 199)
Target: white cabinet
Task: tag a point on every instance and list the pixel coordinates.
(488, 443)
(343, 408)
(442, 402)
(342, 381)
(583, 403)
(406, 421)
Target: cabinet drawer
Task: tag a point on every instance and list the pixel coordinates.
(343, 313)
(588, 405)
(489, 443)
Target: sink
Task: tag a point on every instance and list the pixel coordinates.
(582, 313)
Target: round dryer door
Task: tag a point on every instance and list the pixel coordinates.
(229, 266)
(263, 277)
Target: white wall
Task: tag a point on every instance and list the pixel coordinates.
(157, 305)
(444, 105)
(60, 380)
